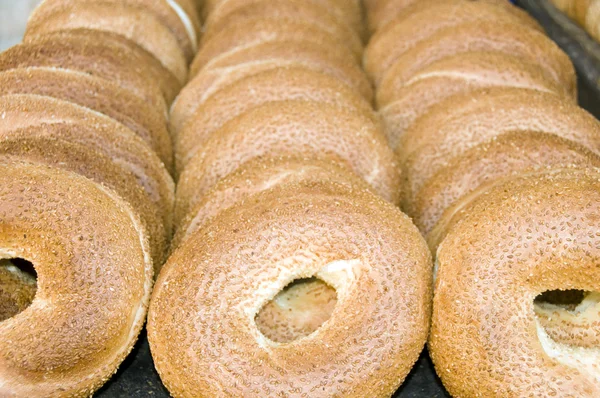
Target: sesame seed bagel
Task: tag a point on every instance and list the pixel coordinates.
(218, 280)
(509, 154)
(70, 122)
(31, 145)
(532, 234)
(258, 175)
(291, 128)
(98, 94)
(256, 31)
(105, 57)
(382, 13)
(459, 75)
(179, 17)
(280, 84)
(246, 62)
(346, 10)
(136, 24)
(312, 13)
(462, 122)
(94, 281)
(425, 19)
(508, 38)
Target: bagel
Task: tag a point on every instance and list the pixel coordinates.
(31, 145)
(299, 10)
(280, 84)
(291, 128)
(136, 24)
(346, 10)
(72, 123)
(507, 38)
(424, 19)
(121, 63)
(385, 13)
(180, 18)
(462, 122)
(255, 176)
(241, 63)
(459, 75)
(257, 31)
(97, 94)
(224, 274)
(113, 53)
(94, 277)
(529, 235)
(505, 155)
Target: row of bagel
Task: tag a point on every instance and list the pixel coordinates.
(86, 189)
(289, 238)
(500, 175)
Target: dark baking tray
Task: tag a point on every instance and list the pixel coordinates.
(137, 377)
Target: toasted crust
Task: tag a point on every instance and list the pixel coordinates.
(253, 32)
(255, 176)
(89, 252)
(493, 263)
(98, 94)
(178, 16)
(463, 122)
(135, 23)
(507, 38)
(279, 84)
(459, 75)
(233, 13)
(227, 271)
(249, 61)
(424, 19)
(94, 57)
(291, 128)
(509, 154)
(70, 122)
(347, 10)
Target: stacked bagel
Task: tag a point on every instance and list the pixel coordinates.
(501, 176)
(292, 271)
(585, 12)
(86, 185)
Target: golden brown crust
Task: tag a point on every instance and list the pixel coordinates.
(81, 125)
(180, 18)
(424, 19)
(462, 122)
(291, 128)
(31, 145)
(509, 154)
(136, 24)
(103, 54)
(301, 10)
(263, 30)
(526, 236)
(89, 254)
(459, 75)
(279, 84)
(242, 63)
(507, 38)
(98, 94)
(227, 271)
(258, 175)
(347, 10)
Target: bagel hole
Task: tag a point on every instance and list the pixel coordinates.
(18, 286)
(565, 299)
(297, 311)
